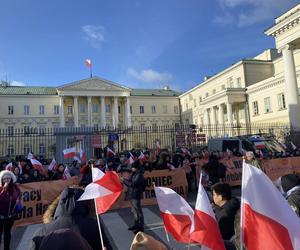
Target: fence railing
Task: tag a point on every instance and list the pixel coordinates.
(48, 143)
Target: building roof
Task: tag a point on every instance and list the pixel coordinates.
(27, 90)
(154, 92)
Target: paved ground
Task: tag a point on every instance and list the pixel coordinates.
(115, 224)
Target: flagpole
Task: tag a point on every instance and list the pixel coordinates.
(96, 210)
(91, 72)
(167, 236)
(242, 208)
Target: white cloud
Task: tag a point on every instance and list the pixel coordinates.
(226, 19)
(94, 34)
(17, 83)
(150, 76)
(249, 12)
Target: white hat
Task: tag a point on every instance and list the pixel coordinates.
(7, 173)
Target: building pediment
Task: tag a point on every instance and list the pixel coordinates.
(93, 84)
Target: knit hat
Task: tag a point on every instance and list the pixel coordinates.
(5, 173)
(289, 181)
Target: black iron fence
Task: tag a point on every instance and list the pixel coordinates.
(48, 143)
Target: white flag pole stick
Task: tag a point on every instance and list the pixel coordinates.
(96, 210)
(242, 208)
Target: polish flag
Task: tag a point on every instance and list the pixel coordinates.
(66, 174)
(207, 231)
(106, 190)
(185, 151)
(88, 63)
(176, 213)
(30, 156)
(259, 145)
(53, 165)
(76, 158)
(130, 160)
(142, 157)
(9, 166)
(69, 153)
(82, 156)
(267, 220)
(110, 153)
(36, 164)
(293, 146)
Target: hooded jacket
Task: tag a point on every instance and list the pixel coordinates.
(225, 217)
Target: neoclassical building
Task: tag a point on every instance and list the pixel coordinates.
(263, 89)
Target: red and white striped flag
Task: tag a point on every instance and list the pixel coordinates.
(267, 220)
(207, 231)
(176, 213)
(66, 174)
(110, 153)
(88, 63)
(106, 190)
(259, 145)
(69, 153)
(9, 166)
(30, 156)
(142, 157)
(36, 164)
(130, 160)
(53, 165)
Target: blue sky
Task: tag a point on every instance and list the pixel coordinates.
(139, 44)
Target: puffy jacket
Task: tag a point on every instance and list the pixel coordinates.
(135, 185)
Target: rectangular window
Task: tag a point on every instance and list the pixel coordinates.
(153, 109)
(165, 109)
(26, 109)
(142, 126)
(11, 150)
(239, 82)
(10, 110)
(141, 109)
(26, 130)
(95, 108)
(281, 101)
(42, 110)
(267, 102)
(56, 109)
(176, 110)
(154, 127)
(10, 130)
(130, 109)
(119, 109)
(27, 149)
(42, 149)
(70, 110)
(107, 108)
(255, 108)
(82, 108)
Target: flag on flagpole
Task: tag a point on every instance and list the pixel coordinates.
(76, 158)
(293, 146)
(185, 151)
(69, 153)
(142, 157)
(30, 156)
(53, 165)
(259, 145)
(36, 164)
(66, 174)
(110, 153)
(130, 160)
(207, 231)
(105, 190)
(267, 220)
(177, 215)
(88, 63)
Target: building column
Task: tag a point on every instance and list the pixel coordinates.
(229, 113)
(115, 113)
(103, 114)
(61, 112)
(89, 101)
(76, 112)
(127, 113)
(206, 117)
(213, 116)
(292, 94)
(221, 114)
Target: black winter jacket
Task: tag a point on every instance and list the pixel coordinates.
(135, 185)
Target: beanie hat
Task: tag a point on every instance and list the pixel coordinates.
(289, 181)
(9, 174)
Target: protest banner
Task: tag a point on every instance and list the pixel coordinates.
(36, 197)
(174, 179)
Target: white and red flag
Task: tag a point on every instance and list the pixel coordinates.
(82, 156)
(53, 165)
(69, 153)
(177, 215)
(142, 157)
(185, 151)
(66, 174)
(9, 166)
(259, 145)
(106, 190)
(30, 156)
(293, 146)
(130, 160)
(36, 164)
(267, 220)
(110, 153)
(207, 231)
(88, 63)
